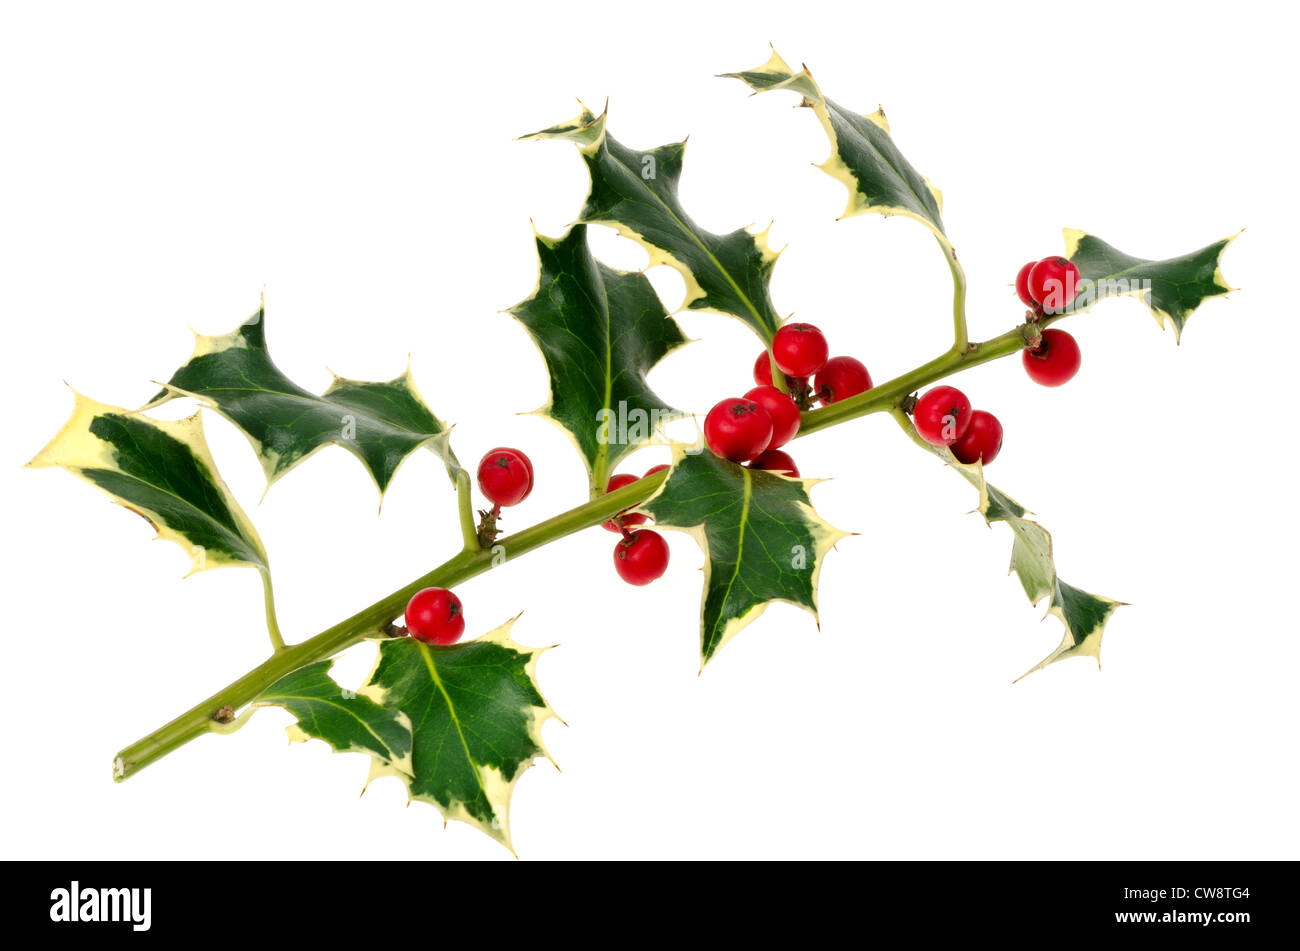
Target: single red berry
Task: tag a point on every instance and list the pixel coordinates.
(626, 518)
(434, 616)
(782, 409)
(1022, 285)
(738, 429)
(528, 463)
(1053, 283)
(799, 349)
(841, 378)
(641, 556)
(942, 415)
(774, 460)
(662, 467)
(1055, 361)
(982, 439)
(505, 476)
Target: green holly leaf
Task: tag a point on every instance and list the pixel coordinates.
(1083, 615)
(476, 716)
(863, 158)
(379, 423)
(761, 538)
(600, 331)
(163, 471)
(1171, 289)
(635, 192)
(346, 720)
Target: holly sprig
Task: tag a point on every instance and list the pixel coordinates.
(458, 723)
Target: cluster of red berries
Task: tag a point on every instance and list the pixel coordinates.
(1048, 287)
(640, 556)
(943, 417)
(752, 428)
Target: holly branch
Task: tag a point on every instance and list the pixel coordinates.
(458, 723)
(472, 560)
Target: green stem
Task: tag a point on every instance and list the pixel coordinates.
(778, 377)
(889, 395)
(468, 563)
(272, 624)
(905, 423)
(464, 503)
(960, 338)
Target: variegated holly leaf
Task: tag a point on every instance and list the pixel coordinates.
(476, 716)
(346, 720)
(761, 537)
(635, 192)
(163, 471)
(1083, 615)
(1171, 289)
(600, 331)
(380, 423)
(863, 155)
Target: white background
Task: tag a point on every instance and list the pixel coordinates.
(163, 164)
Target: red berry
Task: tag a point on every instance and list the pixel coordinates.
(942, 415)
(782, 409)
(528, 463)
(774, 460)
(434, 616)
(626, 518)
(641, 557)
(799, 349)
(505, 476)
(982, 439)
(1056, 360)
(738, 429)
(1022, 285)
(1053, 283)
(659, 468)
(622, 480)
(841, 378)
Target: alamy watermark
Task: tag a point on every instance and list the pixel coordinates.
(624, 426)
(1087, 292)
(76, 903)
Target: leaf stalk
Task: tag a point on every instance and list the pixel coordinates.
(961, 338)
(272, 623)
(465, 506)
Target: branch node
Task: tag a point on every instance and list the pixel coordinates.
(487, 530)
